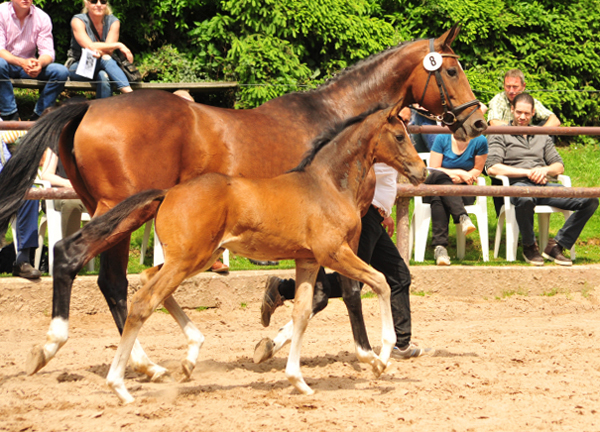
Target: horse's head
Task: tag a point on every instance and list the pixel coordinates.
(395, 148)
(440, 85)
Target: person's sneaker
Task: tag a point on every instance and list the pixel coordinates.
(554, 252)
(411, 351)
(466, 225)
(441, 257)
(25, 270)
(531, 254)
(271, 300)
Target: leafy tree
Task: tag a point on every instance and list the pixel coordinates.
(273, 47)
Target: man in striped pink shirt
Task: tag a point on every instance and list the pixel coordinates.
(23, 29)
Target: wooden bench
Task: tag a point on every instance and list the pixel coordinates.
(195, 87)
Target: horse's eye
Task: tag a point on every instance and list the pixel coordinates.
(400, 138)
(451, 72)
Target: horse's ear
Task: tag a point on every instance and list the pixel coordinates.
(445, 40)
(395, 111)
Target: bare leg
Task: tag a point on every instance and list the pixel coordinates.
(306, 274)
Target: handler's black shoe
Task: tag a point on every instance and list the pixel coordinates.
(25, 270)
(271, 300)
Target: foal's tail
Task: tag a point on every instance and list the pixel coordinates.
(119, 219)
(20, 171)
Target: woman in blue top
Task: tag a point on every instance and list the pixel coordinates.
(453, 162)
(97, 29)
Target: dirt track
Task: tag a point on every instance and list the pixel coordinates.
(518, 363)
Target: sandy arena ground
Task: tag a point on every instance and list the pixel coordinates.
(518, 363)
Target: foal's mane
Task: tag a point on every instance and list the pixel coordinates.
(331, 133)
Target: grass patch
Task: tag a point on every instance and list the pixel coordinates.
(163, 310)
(368, 294)
(243, 305)
(421, 293)
(586, 290)
(202, 308)
(510, 293)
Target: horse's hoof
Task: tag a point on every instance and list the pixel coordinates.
(187, 367)
(162, 376)
(35, 360)
(263, 350)
(378, 367)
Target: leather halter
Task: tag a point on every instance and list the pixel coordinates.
(449, 117)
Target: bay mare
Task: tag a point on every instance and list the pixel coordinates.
(116, 147)
(310, 214)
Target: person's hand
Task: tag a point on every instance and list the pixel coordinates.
(538, 175)
(127, 53)
(405, 114)
(32, 67)
(388, 224)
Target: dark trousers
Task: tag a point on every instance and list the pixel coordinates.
(27, 220)
(442, 207)
(376, 248)
(583, 209)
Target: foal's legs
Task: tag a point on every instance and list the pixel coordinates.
(266, 348)
(349, 265)
(306, 273)
(144, 302)
(194, 337)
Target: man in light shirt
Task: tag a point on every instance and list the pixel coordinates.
(24, 29)
(499, 113)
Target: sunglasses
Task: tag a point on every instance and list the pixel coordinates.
(96, 1)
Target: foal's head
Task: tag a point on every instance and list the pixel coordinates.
(394, 147)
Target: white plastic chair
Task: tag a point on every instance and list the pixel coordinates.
(159, 257)
(51, 222)
(507, 213)
(421, 219)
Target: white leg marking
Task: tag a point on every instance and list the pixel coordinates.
(56, 337)
(194, 337)
(388, 334)
(141, 363)
(284, 336)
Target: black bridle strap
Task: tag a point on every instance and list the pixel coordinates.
(448, 109)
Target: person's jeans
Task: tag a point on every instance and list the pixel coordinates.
(583, 209)
(442, 207)
(27, 224)
(375, 247)
(107, 72)
(54, 73)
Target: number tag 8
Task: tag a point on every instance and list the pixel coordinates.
(432, 61)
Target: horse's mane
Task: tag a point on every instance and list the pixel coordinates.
(364, 62)
(330, 134)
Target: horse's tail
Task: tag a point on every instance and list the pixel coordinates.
(20, 171)
(103, 226)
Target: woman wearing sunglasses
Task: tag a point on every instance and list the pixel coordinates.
(97, 29)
